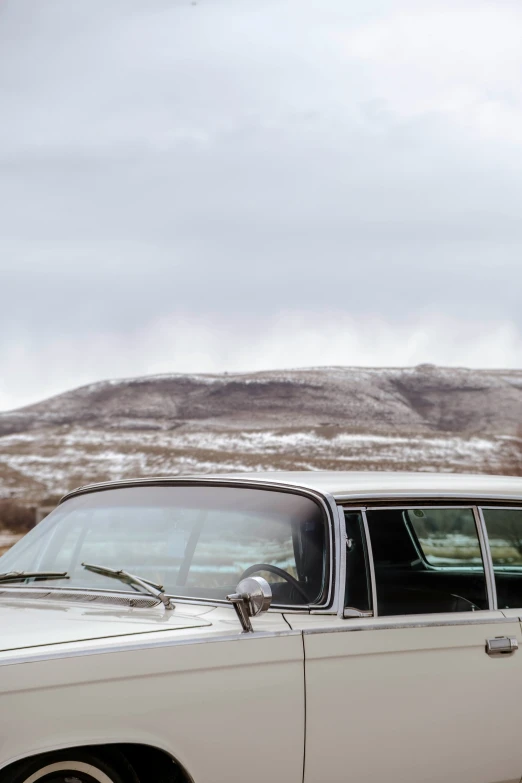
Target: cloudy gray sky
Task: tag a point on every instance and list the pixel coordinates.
(207, 185)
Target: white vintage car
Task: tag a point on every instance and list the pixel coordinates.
(274, 628)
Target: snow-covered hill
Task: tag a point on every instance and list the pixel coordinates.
(424, 418)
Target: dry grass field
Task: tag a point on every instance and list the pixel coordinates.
(7, 539)
(425, 418)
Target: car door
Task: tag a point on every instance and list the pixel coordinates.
(413, 693)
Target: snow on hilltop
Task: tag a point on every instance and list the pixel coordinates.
(426, 418)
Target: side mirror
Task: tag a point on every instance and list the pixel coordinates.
(253, 596)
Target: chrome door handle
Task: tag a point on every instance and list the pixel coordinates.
(501, 645)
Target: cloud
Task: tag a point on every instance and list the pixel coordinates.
(203, 169)
(458, 63)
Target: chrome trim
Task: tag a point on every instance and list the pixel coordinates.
(349, 612)
(28, 656)
(370, 626)
(343, 541)
(427, 506)
(414, 497)
(239, 602)
(92, 600)
(486, 557)
(211, 603)
(326, 501)
(334, 596)
(502, 508)
(371, 564)
(253, 595)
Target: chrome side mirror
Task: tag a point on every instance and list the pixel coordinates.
(253, 596)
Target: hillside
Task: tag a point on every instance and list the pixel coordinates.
(424, 418)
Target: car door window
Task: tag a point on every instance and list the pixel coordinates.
(427, 560)
(504, 528)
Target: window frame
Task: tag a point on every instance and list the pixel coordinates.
(370, 577)
(404, 505)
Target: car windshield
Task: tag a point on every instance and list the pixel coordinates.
(196, 541)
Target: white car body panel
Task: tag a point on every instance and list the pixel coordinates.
(389, 702)
(187, 696)
(37, 623)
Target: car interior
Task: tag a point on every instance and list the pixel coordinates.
(299, 583)
(406, 582)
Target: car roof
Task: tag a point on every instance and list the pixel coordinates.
(354, 485)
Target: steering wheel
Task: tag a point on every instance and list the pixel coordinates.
(279, 572)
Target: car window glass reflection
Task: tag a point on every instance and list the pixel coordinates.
(195, 541)
(504, 527)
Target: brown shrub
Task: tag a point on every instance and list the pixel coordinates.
(16, 517)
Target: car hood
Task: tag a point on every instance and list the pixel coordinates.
(28, 623)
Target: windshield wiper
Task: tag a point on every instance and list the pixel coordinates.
(151, 587)
(17, 576)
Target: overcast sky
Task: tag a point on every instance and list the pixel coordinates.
(208, 185)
